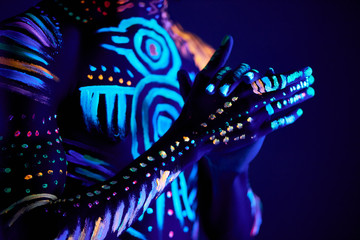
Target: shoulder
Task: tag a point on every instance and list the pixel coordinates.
(29, 43)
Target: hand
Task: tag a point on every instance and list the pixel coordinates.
(239, 117)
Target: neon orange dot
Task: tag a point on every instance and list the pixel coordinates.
(39, 174)
(111, 79)
(101, 77)
(121, 80)
(50, 172)
(28, 177)
(90, 77)
(128, 83)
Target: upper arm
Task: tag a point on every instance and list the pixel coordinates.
(32, 160)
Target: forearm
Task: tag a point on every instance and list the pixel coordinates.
(228, 209)
(109, 208)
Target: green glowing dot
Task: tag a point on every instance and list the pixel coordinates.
(58, 151)
(7, 190)
(299, 112)
(45, 185)
(7, 170)
(49, 143)
(24, 146)
(78, 18)
(56, 182)
(62, 159)
(45, 156)
(27, 190)
(38, 146)
(311, 91)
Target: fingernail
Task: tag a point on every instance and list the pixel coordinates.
(249, 75)
(210, 88)
(224, 40)
(225, 89)
(269, 109)
(271, 70)
(311, 80)
(308, 71)
(310, 91)
(299, 112)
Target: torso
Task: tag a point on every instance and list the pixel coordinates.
(123, 96)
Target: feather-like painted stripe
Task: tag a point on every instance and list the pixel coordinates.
(28, 67)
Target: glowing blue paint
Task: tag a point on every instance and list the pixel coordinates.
(161, 123)
(279, 106)
(139, 88)
(160, 212)
(89, 100)
(293, 76)
(150, 211)
(120, 40)
(225, 89)
(308, 71)
(153, 93)
(192, 76)
(116, 70)
(23, 78)
(103, 228)
(103, 68)
(130, 73)
(156, 32)
(269, 109)
(117, 218)
(176, 202)
(136, 234)
(299, 112)
(128, 214)
(150, 228)
(92, 68)
(210, 88)
(184, 194)
(64, 235)
(165, 55)
(310, 91)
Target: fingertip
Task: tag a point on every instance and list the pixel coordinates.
(299, 112)
(228, 39)
(311, 91)
(210, 88)
(224, 90)
(249, 77)
(311, 80)
(308, 71)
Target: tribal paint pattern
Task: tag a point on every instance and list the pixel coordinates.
(27, 43)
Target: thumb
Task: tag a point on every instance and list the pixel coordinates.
(184, 82)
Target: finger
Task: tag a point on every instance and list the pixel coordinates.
(280, 81)
(219, 58)
(286, 92)
(273, 125)
(282, 105)
(184, 82)
(230, 83)
(216, 81)
(270, 72)
(251, 76)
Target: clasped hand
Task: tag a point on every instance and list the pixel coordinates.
(230, 111)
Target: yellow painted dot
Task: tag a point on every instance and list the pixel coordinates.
(39, 174)
(28, 177)
(50, 172)
(90, 77)
(111, 79)
(101, 77)
(121, 80)
(128, 83)
(61, 171)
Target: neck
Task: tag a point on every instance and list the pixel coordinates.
(89, 10)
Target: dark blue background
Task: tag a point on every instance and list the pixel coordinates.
(307, 175)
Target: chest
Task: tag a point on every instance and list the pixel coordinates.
(127, 81)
